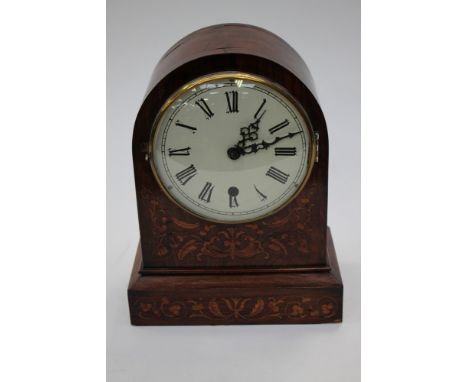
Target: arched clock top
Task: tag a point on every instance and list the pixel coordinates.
(239, 39)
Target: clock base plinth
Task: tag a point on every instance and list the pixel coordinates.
(232, 299)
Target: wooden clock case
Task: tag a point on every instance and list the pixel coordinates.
(281, 269)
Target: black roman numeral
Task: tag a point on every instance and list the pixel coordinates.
(185, 175)
(262, 195)
(201, 103)
(186, 126)
(184, 151)
(260, 108)
(285, 151)
(278, 175)
(232, 98)
(205, 194)
(279, 126)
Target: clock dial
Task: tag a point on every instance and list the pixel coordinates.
(231, 148)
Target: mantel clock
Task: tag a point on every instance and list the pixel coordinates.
(230, 155)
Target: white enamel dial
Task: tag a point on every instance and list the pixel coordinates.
(231, 148)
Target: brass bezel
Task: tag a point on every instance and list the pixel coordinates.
(237, 76)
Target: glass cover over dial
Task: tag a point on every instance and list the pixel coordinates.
(231, 148)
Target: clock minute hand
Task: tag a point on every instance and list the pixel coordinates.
(263, 145)
(277, 139)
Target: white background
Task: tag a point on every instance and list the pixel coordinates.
(414, 208)
(327, 36)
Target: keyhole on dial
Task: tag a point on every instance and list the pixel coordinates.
(233, 192)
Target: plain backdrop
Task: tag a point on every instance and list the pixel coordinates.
(327, 35)
(414, 187)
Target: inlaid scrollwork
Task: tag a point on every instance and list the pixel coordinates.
(187, 237)
(237, 308)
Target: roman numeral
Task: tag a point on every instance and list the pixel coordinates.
(185, 151)
(278, 175)
(279, 126)
(232, 98)
(186, 126)
(285, 151)
(205, 194)
(233, 192)
(185, 175)
(262, 195)
(260, 108)
(201, 103)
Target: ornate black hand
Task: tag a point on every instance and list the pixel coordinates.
(248, 133)
(239, 150)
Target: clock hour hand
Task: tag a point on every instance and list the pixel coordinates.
(250, 132)
(237, 151)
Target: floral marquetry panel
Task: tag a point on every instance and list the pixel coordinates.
(176, 238)
(248, 310)
(270, 298)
